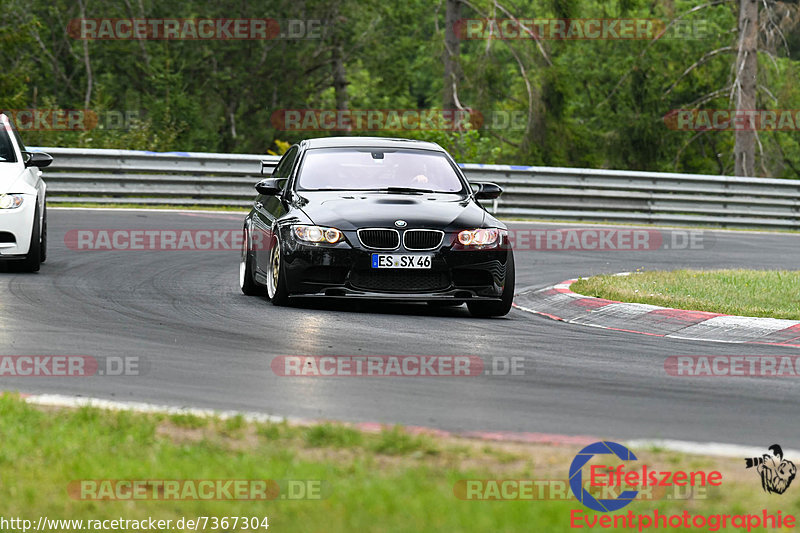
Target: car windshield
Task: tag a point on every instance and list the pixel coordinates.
(370, 169)
(6, 148)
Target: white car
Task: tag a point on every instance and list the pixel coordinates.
(23, 213)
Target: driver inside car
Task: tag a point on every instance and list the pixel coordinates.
(418, 172)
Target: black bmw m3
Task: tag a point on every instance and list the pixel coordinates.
(378, 218)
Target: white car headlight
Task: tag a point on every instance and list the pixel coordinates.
(10, 201)
(318, 234)
(479, 237)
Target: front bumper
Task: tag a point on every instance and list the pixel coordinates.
(345, 270)
(459, 295)
(16, 226)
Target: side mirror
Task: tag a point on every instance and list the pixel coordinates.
(488, 191)
(37, 159)
(269, 187)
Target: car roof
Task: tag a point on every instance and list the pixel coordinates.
(369, 142)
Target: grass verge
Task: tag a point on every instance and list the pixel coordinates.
(760, 293)
(386, 481)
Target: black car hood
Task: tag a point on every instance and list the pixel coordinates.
(348, 211)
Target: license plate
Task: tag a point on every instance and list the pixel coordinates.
(400, 261)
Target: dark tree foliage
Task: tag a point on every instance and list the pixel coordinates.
(592, 103)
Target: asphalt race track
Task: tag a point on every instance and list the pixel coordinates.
(204, 344)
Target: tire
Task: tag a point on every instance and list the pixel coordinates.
(43, 253)
(501, 308)
(276, 274)
(247, 282)
(33, 260)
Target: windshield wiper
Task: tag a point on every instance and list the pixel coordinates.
(403, 190)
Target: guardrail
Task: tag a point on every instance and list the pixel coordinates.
(153, 178)
(189, 178)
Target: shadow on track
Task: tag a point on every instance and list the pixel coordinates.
(379, 307)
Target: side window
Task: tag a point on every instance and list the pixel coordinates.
(6, 148)
(282, 172)
(17, 137)
(284, 169)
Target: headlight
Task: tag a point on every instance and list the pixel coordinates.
(10, 201)
(479, 237)
(318, 234)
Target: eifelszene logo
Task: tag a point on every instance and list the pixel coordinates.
(617, 480)
(776, 472)
(576, 477)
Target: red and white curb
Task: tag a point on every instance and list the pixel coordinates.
(688, 447)
(560, 303)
